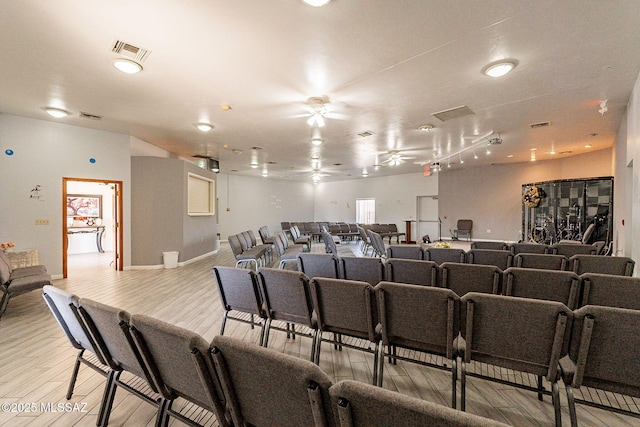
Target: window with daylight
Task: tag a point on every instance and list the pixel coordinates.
(365, 211)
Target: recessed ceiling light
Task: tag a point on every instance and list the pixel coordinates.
(533, 149)
(56, 112)
(587, 146)
(254, 165)
(552, 152)
(317, 141)
(426, 127)
(500, 68)
(510, 156)
(204, 127)
(127, 66)
(316, 3)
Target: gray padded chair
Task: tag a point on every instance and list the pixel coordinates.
(330, 246)
(298, 238)
(541, 261)
(287, 253)
(267, 388)
(463, 229)
(411, 271)
(528, 248)
(370, 270)
(464, 278)
(442, 255)
(60, 303)
(319, 265)
(243, 257)
(617, 266)
(404, 251)
(286, 297)
(501, 258)
(109, 329)
(498, 246)
(603, 354)
(180, 365)
(522, 334)
(18, 281)
(610, 291)
(422, 318)
(239, 292)
(365, 241)
(361, 405)
(570, 249)
(377, 243)
(345, 308)
(550, 285)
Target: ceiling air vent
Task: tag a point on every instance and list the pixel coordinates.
(453, 113)
(90, 116)
(365, 134)
(128, 50)
(540, 125)
(496, 140)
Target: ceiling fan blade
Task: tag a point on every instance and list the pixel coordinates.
(478, 138)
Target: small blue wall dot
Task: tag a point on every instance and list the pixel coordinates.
(8, 152)
(92, 160)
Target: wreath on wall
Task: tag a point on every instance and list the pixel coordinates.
(532, 196)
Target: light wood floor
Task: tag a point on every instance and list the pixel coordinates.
(36, 359)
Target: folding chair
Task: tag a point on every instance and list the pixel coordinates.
(618, 266)
(502, 259)
(421, 318)
(319, 265)
(541, 261)
(345, 307)
(404, 251)
(412, 271)
(370, 270)
(267, 388)
(180, 365)
(550, 285)
(286, 297)
(239, 292)
(521, 334)
(60, 303)
(442, 255)
(361, 405)
(610, 291)
(464, 278)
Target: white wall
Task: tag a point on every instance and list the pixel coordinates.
(44, 153)
(247, 203)
(491, 195)
(632, 216)
(395, 196)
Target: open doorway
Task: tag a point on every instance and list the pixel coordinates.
(91, 233)
(428, 220)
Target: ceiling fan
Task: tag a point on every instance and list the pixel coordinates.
(396, 157)
(319, 108)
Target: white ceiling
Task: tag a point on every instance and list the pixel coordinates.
(385, 66)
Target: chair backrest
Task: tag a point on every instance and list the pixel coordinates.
(377, 243)
(528, 248)
(285, 226)
(60, 302)
(588, 233)
(279, 243)
(5, 268)
(109, 329)
(404, 251)
(464, 278)
(541, 261)
(551, 285)
(286, 295)
(618, 266)
(363, 234)
(330, 246)
(489, 245)
(268, 388)
(295, 232)
(502, 259)
(464, 225)
(252, 237)
(605, 344)
(522, 334)
(236, 246)
(569, 249)
(412, 271)
(357, 404)
(179, 362)
(238, 289)
(364, 269)
(423, 318)
(611, 291)
(319, 265)
(345, 307)
(440, 255)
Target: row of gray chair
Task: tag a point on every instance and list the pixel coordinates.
(564, 247)
(247, 251)
(565, 286)
(579, 263)
(16, 281)
(226, 382)
(519, 333)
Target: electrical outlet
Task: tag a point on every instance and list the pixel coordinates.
(42, 221)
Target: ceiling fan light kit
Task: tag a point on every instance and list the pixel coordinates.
(204, 127)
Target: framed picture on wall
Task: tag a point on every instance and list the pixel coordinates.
(84, 205)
